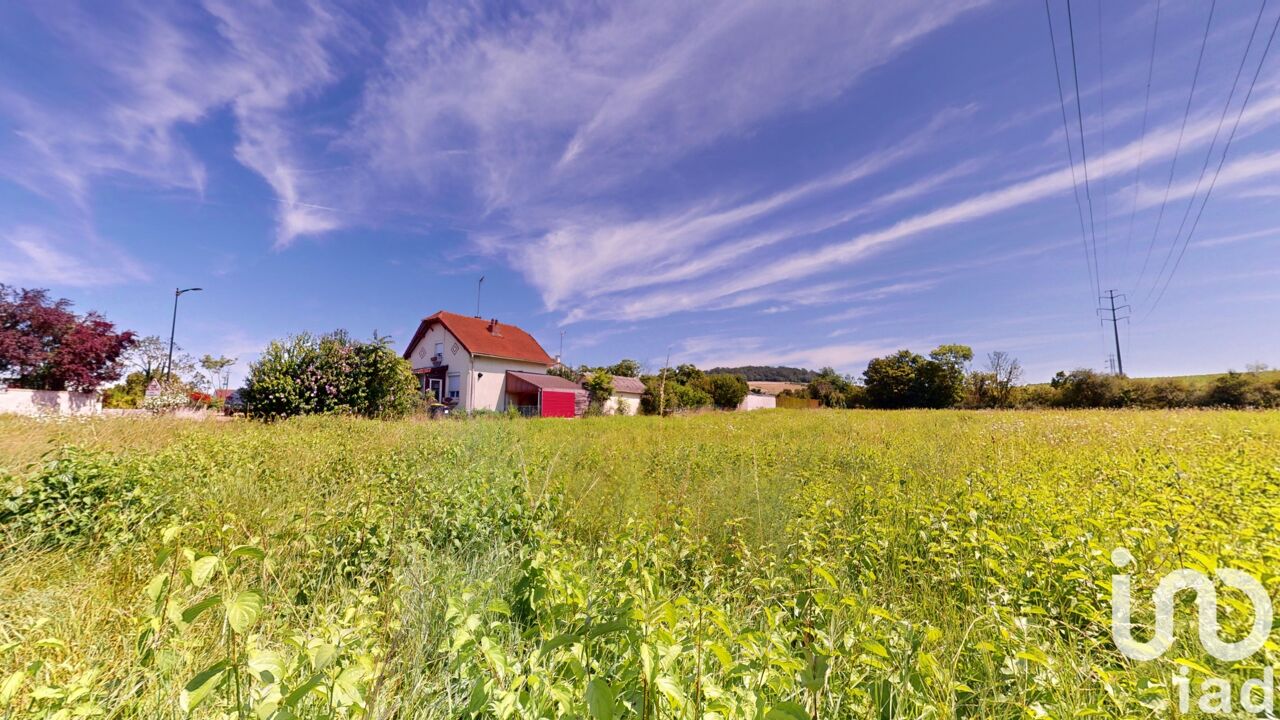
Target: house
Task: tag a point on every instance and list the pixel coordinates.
(475, 364)
(625, 399)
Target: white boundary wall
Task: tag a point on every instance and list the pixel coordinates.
(758, 402)
(49, 402)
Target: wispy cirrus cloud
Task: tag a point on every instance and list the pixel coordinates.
(1159, 143)
(35, 255)
(119, 116)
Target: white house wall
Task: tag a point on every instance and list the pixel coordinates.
(758, 402)
(622, 404)
(488, 377)
(459, 360)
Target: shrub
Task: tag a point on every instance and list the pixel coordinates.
(1242, 390)
(172, 396)
(76, 498)
(330, 374)
(1170, 393)
(678, 396)
(726, 391)
(1085, 388)
(599, 387)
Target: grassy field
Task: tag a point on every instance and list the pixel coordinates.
(774, 564)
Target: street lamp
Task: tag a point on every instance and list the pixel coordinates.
(168, 365)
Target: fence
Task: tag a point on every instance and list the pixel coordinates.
(795, 403)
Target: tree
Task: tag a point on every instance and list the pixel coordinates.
(625, 367)
(671, 395)
(726, 391)
(940, 380)
(599, 387)
(1083, 388)
(149, 354)
(905, 379)
(563, 371)
(830, 388)
(686, 374)
(891, 381)
(218, 370)
(1005, 372)
(767, 373)
(46, 346)
(127, 395)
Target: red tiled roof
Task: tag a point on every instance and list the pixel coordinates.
(478, 336)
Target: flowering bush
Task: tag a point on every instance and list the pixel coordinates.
(330, 374)
(172, 396)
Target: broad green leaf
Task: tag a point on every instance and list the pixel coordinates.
(600, 699)
(556, 643)
(202, 569)
(155, 588)
(190, 614)
(346, 688)
(198, 688)
(786, 711)
(826, 576)
(11, 686)
(293, 698)
(243, 610)
(266, 665)
(322, 655)
(247, 551)
(875, 648)
(671, 690)
(1034, 655)
(615, 626)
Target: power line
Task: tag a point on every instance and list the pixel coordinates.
(1071, 158)
(1173, 165)
(1142, 140)
(1221, 161)
(1084, 155)
(1208, 155)
(1102, 130)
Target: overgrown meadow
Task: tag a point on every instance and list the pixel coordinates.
(776, 564)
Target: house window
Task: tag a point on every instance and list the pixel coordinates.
(440, 349)
(454, 383)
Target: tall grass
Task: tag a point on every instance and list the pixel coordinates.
(823, 564)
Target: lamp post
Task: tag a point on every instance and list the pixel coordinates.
(168, 365)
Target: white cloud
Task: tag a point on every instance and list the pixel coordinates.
(128, 116)
(729, 351)
(35, 256)
(1160, 142)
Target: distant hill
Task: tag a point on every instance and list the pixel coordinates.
(768, 373)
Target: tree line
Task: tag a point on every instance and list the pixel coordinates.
(945, 378)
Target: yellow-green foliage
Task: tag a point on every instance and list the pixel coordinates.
(772, 564)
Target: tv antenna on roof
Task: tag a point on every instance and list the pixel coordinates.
(479, 283)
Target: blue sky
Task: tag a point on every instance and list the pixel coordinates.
(742, 182)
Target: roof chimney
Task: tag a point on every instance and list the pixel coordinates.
(493, 327)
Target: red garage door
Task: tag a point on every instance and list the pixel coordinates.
(557, 403)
